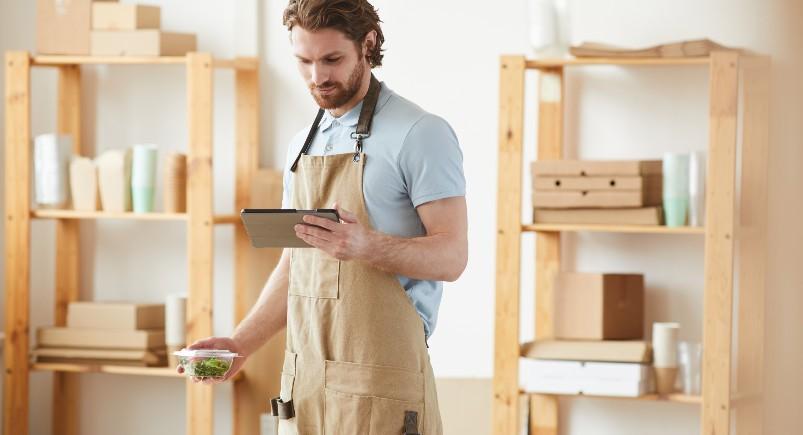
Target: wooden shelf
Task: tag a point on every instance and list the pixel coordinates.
(75, 214)
(167, 372)
(675, 398)
(53, 60)
(643, 229)
(572, 61)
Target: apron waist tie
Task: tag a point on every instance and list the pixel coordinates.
(283, 410)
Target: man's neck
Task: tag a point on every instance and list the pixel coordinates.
(359, 96)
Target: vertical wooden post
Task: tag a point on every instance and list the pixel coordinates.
(18, 241)
(200, 229)
(752, 244)
(719, 244)
(66, 385)
(543, 408)
(508, 246)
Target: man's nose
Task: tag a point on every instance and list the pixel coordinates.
(320, 74)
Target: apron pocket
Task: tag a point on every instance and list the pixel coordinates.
(369, 399)
(314, 274)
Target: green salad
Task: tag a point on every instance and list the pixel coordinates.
(208, 368)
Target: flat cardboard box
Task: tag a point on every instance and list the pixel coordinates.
(590, 306)
(579, 350)
(141, 43)
(63, 27)
(596, 199)
(575, 377)
(100, 338)
(602, 216)
(613, 182)
(594, 168)
(120, 16)
(101, 356)
(111, 315)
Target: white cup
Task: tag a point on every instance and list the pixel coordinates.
(175, 319)
(52, 155)
(697, 189)
(665, 344)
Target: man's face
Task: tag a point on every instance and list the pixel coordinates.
(330, 64)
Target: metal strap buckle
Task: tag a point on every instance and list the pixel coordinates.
(359, 136)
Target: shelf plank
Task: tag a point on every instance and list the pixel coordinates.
(109, 369)
(674, 398)
(76, 214)
(642, 229)
(54, 60)
(591, 61)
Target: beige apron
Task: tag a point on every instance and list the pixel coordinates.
(356, 360)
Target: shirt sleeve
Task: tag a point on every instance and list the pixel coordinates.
(431, 161)
(287, 177)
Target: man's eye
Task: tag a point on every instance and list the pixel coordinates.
(333, 60)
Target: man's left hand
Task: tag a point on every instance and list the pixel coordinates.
(344, 240)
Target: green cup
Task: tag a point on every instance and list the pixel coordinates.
(675, 211)
(142, 197)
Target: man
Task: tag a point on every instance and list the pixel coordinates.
(360, 304)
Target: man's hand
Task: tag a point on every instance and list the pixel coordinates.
(344, 240)
(221, 343)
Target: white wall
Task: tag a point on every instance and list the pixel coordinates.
(444, 56)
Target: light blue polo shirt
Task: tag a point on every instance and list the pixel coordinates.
(413, 157)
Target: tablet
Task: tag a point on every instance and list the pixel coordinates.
(274, 227)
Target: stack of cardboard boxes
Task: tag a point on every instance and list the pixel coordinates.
(106, 28)
(599, 322)
(597, 192)
(106, 333)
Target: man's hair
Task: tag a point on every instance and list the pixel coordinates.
(354, 18)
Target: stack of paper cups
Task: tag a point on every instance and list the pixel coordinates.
(143, 177)
(175, 183)
(175, 321)
(52, 155)
(665, 356)
(114, 180)
(676, 188)
(697, 189)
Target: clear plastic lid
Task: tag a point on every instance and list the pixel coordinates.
(205, 353)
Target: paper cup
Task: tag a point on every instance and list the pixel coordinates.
(697, 171)
(665, 344)
(52, 155)
(143, 166)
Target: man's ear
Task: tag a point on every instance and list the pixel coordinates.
(369, 43)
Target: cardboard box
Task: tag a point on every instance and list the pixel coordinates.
(108, 315)
(141, 43)
(596, 199)
(118, 16)
(611, 216)
(101, 356)
(576, 377)
(100, 338)
(599, 306)
(63, 27)
(595, 168)
(579, 350)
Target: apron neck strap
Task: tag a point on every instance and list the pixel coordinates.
(363, 124)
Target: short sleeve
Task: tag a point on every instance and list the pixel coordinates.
(431, 161)
(287, 177)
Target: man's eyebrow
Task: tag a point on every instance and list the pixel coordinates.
(327, 55)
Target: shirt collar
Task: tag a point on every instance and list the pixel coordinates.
(352, 117)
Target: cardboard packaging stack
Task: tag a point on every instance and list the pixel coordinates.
(599, 322)
(106, 28)
(106, 333)
(597, 192)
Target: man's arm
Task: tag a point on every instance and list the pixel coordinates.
(269, 314)
(440, 255)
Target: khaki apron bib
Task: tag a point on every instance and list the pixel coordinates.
(356, 361)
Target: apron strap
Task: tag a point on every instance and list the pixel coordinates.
(411, 423)
(283, 410)
(363, 124)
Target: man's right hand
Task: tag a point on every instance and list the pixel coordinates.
(219, 343)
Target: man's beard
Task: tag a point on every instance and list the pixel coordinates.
(343, 94)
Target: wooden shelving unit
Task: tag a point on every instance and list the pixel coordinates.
(735, 226)
(260, 379)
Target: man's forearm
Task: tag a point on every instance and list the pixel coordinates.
(269, 314)
(437, 257)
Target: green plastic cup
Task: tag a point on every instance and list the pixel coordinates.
(675, 211)
(143, 199)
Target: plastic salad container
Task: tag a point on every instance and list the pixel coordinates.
(205, 363)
